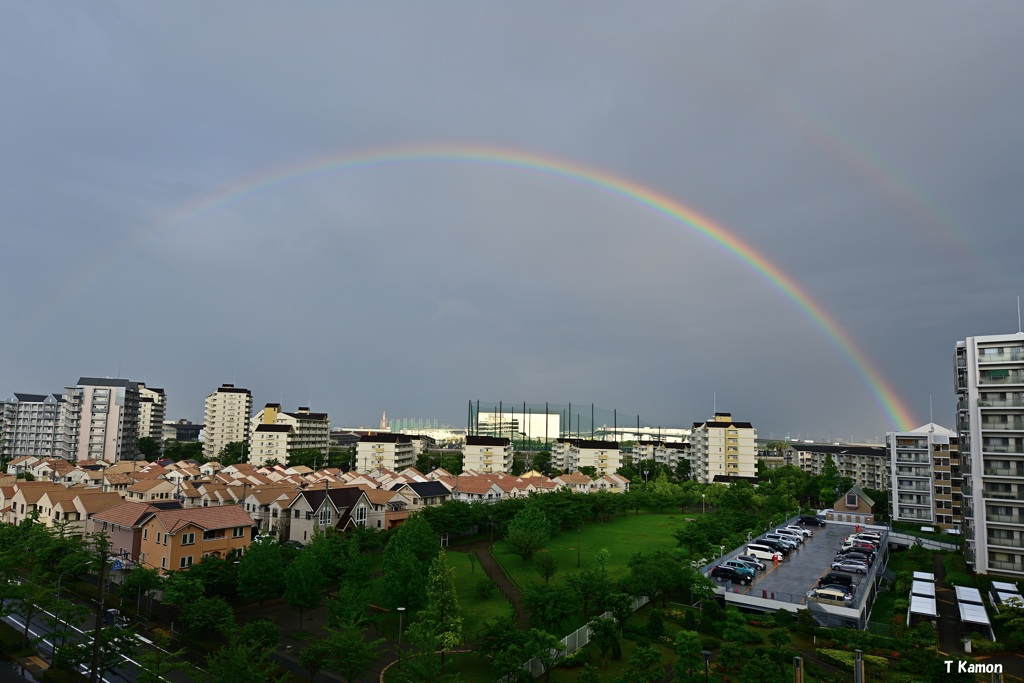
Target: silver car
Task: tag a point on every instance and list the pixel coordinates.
(852, 566)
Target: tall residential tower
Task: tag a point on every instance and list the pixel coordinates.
(226, 419)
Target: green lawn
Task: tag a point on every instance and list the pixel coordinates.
(476, 611)
(622, 536)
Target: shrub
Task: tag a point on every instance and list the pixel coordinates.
(783, 618)
(844, 659)
(984, 646)
(484, 588)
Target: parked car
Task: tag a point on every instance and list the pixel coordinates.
(811, 520)
(830, 596)
(852, 555)
(730, 573)
(853, 566)
(739, 566)
(837, 578)
(796, 536)
(781, 548)
(789, 541)
(752, 561)
(806, 533)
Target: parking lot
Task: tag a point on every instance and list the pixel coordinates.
(800, 572)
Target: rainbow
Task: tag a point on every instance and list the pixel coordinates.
(887, 399)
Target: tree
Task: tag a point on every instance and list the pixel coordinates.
(304, 583)
(407, 559)
(149, 448)
(314, 656)
(546, 648)
(141, 581)
(549, 606)
(263, 634)
(442, 618)
(350, 654)
(115, 643)
(261, 571)
(689, 649)
(605, 635)
(644, 666)
(546, 566)
(238, 661)
(541, 461)
(682, 471)
(206, 614)
(234, 453)
(156, 663)
(528, 532)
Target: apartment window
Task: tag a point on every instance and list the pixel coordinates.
(185, 562)
(188, 539)
(238, 532)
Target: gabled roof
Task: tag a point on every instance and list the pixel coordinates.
(425, 489)
(342, 497)
(207, 518)
(131, 514)
(860, 494)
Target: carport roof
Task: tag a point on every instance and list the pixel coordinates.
(968, 595)
(919, 604)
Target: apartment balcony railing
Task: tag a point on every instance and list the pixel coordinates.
(1005, 519)
(1003, 495)
(1006, 566)
(1009, 378)
(1007, 426)
(1004, 471)
(1017, 542)
(1001, 403)
(1006, 356)
(1014, 449)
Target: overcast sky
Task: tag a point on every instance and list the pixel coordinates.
(872, 152)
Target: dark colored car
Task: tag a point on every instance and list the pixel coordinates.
(832, 578)
(752, 561)
(853, 555)
(723, 572)
(811, 520)
(780, 548)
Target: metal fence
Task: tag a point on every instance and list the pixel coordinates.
(576, 640)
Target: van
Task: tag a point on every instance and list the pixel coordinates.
(795, 535)
(776, 546)
(830, 596)
(761, 552)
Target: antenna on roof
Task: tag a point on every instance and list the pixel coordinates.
(1019, 330)
(931, 416)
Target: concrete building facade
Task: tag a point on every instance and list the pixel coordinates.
(487, 454)
(99, 419)
(926, 477)
(989, 382)
(226, 419)
(275, 434)
(722, 446)
(867, 466)
(152, 410)
(29, 424)
(385, 451)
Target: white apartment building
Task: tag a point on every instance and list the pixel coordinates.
(276, 434)
(514, 424)
(925, 476)
(722, 446)
(668, 454)
(384, 451)
(99, 419)
(152, 410)
(487, 454)
(572, 454)
(989, 380)
(226, 419)
(29, 424)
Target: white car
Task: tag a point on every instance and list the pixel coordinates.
(807, 533)
(789, 533)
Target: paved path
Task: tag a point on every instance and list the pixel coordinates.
(950, 641)
(493, 570)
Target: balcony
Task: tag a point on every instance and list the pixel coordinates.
(993, 377)
(1001, 403)
(1003, 495)
(1007, 356)
(1012, 424)
(1004, 471)
(1005, 519)
(1006, 566)
(1017, 542)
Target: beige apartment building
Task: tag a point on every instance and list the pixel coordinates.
(926, 477)
(276, 434)
(722, 446)
(487, 454)
(385, 451)
(226, 419)
(867, 466)
(152, 410)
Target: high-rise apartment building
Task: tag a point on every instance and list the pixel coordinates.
(722, 446)
(152, 409)
(926, 479)
(385, 451)
(487, 454)
(867, 466)
(226, 419)
(989, 380)
(29, 425)
(99, 420)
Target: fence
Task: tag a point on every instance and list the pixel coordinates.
(576, 640)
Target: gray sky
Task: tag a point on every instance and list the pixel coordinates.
(869, 151)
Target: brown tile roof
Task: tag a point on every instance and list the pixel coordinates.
(118, 478)
(125, 514)
(96, 502)
(219, 517)
(148, 485)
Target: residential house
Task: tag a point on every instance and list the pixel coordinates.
(176, 539)
(852, 508)
(341, 508)
(123, 526)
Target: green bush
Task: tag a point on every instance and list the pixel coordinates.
(484, 588)
(844, 659)
(984, 646)
(900, 606)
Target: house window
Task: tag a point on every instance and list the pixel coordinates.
(851, 500)
(239, 532)
(297, 513)
(158, 538)
(188, 539)
(163, 563)
(325, 516)
(142, 558)
(361, 515)
(145, 534)
(185, 562)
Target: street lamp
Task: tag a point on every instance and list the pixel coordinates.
(401, 613)
(645, 478)
(702, 508)
(61, 577)
(707, 660)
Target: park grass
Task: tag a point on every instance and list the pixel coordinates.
(622, 536)
(476, 611)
